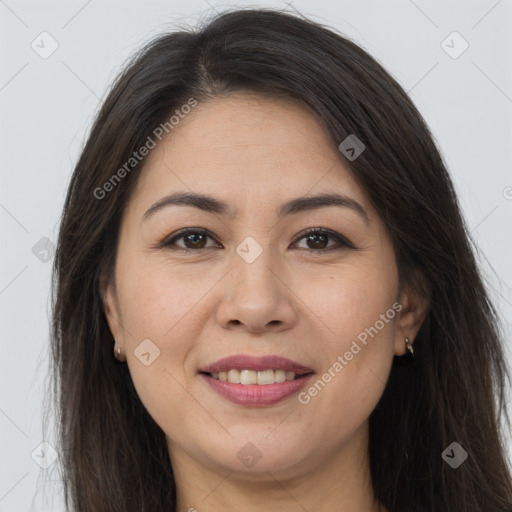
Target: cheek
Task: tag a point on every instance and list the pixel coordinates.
(160, 307)
(159, 300)
(165, 305)
(357, 318)
(350, 303)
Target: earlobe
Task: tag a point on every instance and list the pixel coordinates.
(415, 302)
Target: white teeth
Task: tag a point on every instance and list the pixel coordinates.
(266, 377)
(248, 377)
(280, 375)
(262, 378)
(234, 376)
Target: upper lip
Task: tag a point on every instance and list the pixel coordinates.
(256, 363)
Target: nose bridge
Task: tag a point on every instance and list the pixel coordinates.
(255, 295)
(252, 264)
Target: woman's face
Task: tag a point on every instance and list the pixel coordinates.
(253, 283)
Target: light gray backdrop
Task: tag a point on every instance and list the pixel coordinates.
(58, 57)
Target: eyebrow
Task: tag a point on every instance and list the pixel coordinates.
(213, 205)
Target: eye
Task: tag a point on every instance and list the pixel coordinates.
(318, 237)
(196, 239)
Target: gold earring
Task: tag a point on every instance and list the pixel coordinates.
(409, 346)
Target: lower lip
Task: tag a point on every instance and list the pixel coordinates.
(255, 395)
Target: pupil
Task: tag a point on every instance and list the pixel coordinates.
(316, 236)
(193, 237)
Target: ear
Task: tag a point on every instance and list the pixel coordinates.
(112, 311)
(415, 302)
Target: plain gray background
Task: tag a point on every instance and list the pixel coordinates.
(47, 106)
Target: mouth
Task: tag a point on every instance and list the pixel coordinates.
(256, 381)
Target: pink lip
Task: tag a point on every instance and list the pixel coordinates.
(247, 362)
(254, 395)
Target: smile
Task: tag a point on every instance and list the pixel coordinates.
(261, 378)
(255, 381)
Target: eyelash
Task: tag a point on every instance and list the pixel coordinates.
(342, 242)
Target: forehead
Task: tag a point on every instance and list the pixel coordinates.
(248, 150)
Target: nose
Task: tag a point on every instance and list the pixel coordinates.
(255, 297)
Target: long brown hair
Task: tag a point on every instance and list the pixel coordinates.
(114, 456)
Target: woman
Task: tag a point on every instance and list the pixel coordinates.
(265, 293)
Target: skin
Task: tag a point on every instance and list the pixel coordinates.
(255, 153)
